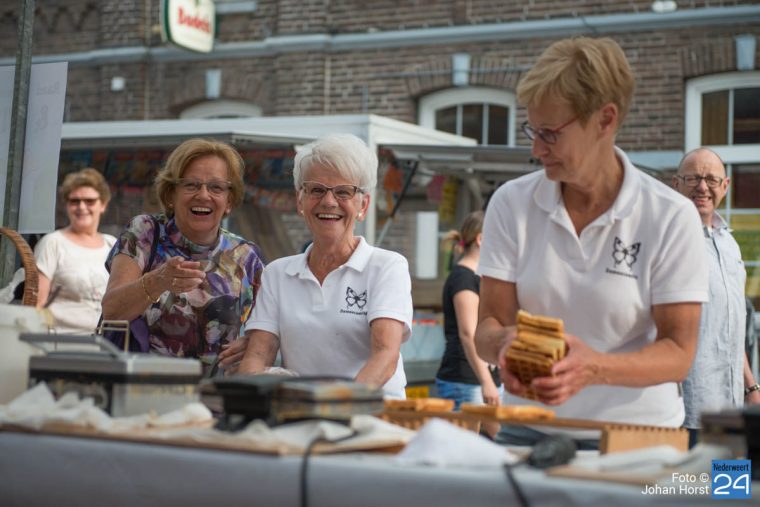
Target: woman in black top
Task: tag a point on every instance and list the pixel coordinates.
(463, 376)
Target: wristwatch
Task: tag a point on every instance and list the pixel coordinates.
(751, 389)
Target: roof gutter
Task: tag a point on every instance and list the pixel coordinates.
(521, 30)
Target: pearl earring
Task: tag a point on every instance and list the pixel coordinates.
(359, 215)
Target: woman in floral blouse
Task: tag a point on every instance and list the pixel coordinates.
(178, 276)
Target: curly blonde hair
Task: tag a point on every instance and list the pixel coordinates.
(184, 154)
(87, 177)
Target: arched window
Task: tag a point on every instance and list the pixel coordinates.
(484, 114)
(723, 112)
(221, 109)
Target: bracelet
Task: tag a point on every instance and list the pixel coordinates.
(751, 389)
(145, 289)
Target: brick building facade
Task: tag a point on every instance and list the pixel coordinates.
(119, 38)
(318, 57)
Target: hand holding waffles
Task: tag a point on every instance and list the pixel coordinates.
(579, 368)
(538, 345)
(550, 365)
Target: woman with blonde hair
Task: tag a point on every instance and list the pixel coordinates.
(590, 239)
(463, 376)
(70, 260)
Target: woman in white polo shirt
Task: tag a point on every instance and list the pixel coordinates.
(592, 240)
(342, 307)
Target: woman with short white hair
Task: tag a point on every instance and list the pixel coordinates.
(342, 307)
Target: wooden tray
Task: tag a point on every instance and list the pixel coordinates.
(414, 420)
(615, 437)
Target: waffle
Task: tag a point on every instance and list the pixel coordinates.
(539, 344)
(518, 412)
(540, 323)
(421, 404)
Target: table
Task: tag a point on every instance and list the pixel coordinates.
(50, 470)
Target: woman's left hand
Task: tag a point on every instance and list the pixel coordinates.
(232, 353)
(578, 369)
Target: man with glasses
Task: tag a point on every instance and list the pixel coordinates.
(720, 376)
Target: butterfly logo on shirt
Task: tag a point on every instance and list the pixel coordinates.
(354, 299)
(622, 253)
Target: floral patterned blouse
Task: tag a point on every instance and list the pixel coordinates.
(196, 323)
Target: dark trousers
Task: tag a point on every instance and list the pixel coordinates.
(693, 436)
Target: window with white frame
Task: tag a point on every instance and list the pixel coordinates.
(484, 114)
(723, 112)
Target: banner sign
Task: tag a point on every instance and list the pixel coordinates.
(190, 24)
(42, 144)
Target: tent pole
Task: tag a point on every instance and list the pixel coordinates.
(397, 204)
(17, 135)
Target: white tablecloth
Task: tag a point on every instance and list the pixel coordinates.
(47, 470)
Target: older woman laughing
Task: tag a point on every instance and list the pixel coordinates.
(342, 307)
(190, 283)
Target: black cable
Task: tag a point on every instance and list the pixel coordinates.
(305, 463)
(519, 493)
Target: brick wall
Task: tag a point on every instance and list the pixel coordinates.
(387, 82)
(60, 26)
(255, 25)
(122, 23)
(382, 81)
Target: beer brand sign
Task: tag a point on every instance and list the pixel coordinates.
(190, 24)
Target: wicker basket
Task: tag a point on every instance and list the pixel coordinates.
(30, 265)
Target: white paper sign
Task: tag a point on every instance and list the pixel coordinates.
(42, 146)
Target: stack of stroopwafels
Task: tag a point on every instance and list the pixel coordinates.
(515, 412)
(539, 344)
(421, 404)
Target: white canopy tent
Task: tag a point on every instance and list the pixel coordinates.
(256, 132)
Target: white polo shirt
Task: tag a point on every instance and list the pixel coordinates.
(324, 329)
(647, 249)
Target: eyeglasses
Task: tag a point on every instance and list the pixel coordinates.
(88, 201)
(549, 136)
(692, 180)
(317, 190)
(193, 186)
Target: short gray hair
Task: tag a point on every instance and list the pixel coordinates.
(348, 155)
